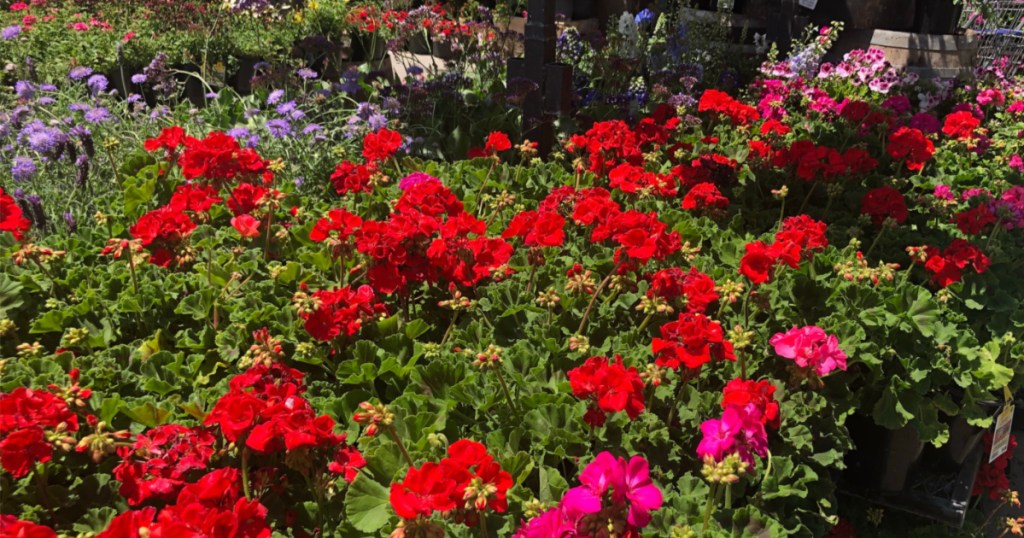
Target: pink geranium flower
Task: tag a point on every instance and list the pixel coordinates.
(810, 347)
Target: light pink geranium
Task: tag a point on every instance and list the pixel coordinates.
(810, 347)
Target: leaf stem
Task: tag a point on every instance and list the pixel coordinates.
(401, 446)
(593, 299)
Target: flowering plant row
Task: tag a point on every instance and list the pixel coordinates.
(661, 331)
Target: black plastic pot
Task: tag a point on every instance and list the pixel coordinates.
(574, 9)
(194, 89)
(241, 81)
(901, 452)
(366, 48)
(866, 14)
(937, 16)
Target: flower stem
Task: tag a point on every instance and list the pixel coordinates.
(881, 232)
(504, 388)
(401, 446)
(245, 473)
(448, 332)
(483, 525)
(712, 494)
(645, 322)
(270, 223)
(593, 299)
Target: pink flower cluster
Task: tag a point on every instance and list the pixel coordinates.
(613, 491)
(810, 347)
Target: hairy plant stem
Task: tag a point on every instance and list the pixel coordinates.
(504, 388)
(810, 193)
(245, 473)
(451, 325)
(593, 300)
(881, 232)
(712, 495)
(266, 242)
(401, 446)
(483, 525)
(483, 185)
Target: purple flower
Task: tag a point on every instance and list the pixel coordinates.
(10, 32)
(79, 107)
(279, 128)
(312, 128)
(285, 108)
(238, 133)
(297, 114)
(377, 122)
(275, 96)
(48, 87)
(24, 89)
(80, 72)
(46, 101)
(250, 112)
(23, 168)
(69, 219)
(97, 84)
(98, 115)
(299, 181)
(42, 138)
(252, 141)
(306, 73)
(139, 78)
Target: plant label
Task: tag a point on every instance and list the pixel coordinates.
(1001, 438)
(809, 4)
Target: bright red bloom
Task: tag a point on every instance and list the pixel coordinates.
(802, 230)
(697, 288)
(608, 144)
(610, 386)
(960, 125)
(882, 203)
(130, 524)
(22, 449)
(160, 461)
(245, 198)
(424, 490)
(11, 218)
(497, 142)
(721, 103)
(632, 179)
(246, 225)
(757, 394)
(218, 157)
(947, 265)
(213, 506)
(429, 198)
(12, 527)
(162, 230)
(538, 229)
(347, 462)
(975, 220)
(911, 146)
(350, 177)
(339, 223)
(170, 139)
(992, 479)
(381, 145)
(691, 341)
(758, 262)
(705, 198)
(196, 199)
(342, 310)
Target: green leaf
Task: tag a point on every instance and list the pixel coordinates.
(924, 312)
(147, 414)
(366, 504)
(889, 412)
(416, 327)
(993, 375)
(137, 193)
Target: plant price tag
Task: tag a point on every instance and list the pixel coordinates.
(1001, 438)
(809, 4)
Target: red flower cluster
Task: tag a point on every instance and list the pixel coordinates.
(191, 197)
(720, 103)
(813, 162)
(799, 238)
(696, 288)
(218, 157)
(264, 410)
(975, 220)
(640, 236)
(27, 418)
(910, 146)
(162, 231)
(609, 386)
(496, 143)
(537, 228)
(350, 177)
(381, 145)
(16, 528)
(760, 395)
(429, 237)
(960, 125)
(708, 168)
(467, 482)
(341, 310)
(336, 229)
(705, 199)
(11, 218)
(608, 144)
(691, 341)
(158, 464)
(947, 265)
(632, 179)
(213, 506)
(992, 479)
(882, 203)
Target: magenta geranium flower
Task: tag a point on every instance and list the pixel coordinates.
(810, 347)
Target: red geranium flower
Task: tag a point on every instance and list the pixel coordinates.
(911, 146)
(11, 218)
(691, 341)
(960, 125)
(13, 527)
(758, 394)
(350, 177)
(882, 203)
(246, 225)
(381, 145)
(610, 386)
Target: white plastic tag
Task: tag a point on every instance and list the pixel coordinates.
(1001, 437)
(809, 4)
